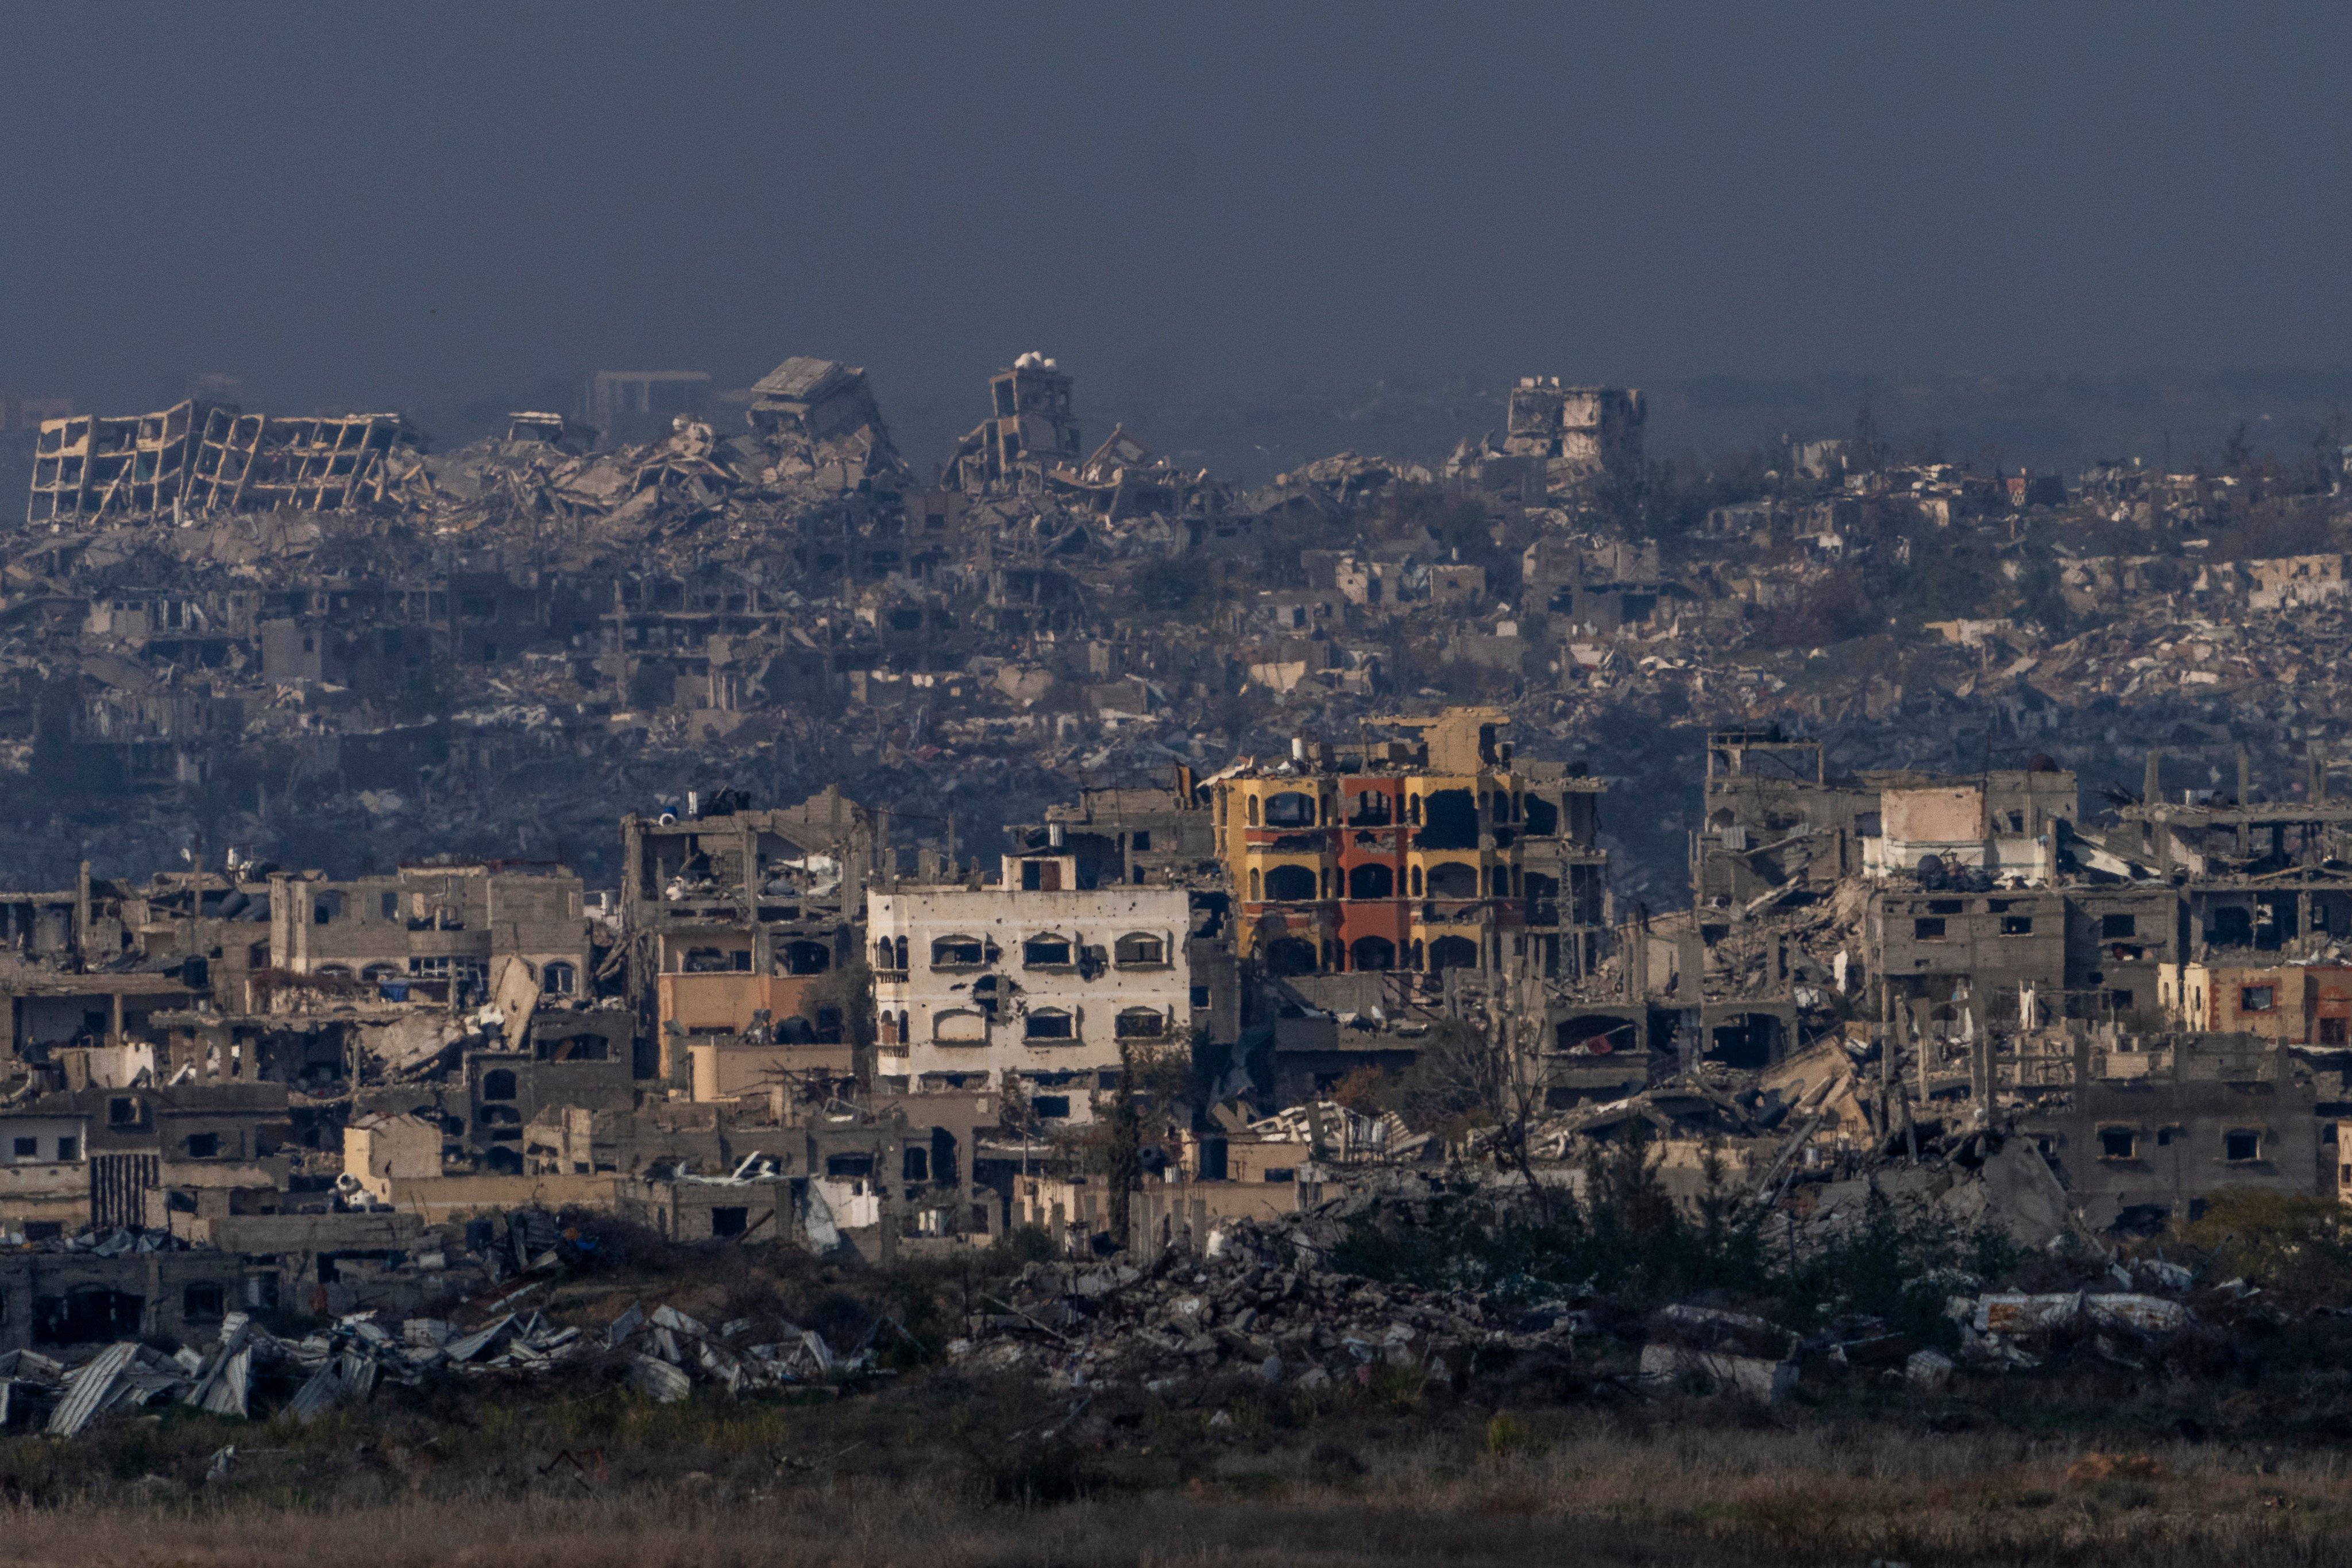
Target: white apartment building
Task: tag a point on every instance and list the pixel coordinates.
(1037, 980)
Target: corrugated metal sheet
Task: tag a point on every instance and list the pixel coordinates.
(233, 1331)
(119, 1185)
(230, 1388)
(93, 1386)
(319, 1395)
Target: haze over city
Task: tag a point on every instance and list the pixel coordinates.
(1352, 785)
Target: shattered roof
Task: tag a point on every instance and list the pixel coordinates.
(801, 376)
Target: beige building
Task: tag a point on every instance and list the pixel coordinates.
(380, 1150)
(1036, 983)
(433, 930)
(2298, 1004)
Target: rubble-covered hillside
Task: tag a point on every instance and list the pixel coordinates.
(314, 641)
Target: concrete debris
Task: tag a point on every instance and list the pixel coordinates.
(1751, 1377)
(1102, 775)
(1733, 1351)
(665, 1355)
(1262, 1301)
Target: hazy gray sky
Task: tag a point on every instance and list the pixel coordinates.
(391, 203)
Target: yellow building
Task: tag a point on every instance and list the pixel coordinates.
(1411, 856)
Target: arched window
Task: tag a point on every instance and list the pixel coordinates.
(1291, 809)
(1372, 952)
(559, 979)
(1253, 811)
(1373, 881)
(1413, 874)
(498, 1083)
(1047, 950)
(1139, 949)
(883, 953)
(1453, 952)
(1142, 1024)
(1452, 879)
(1290, 884)
(960, 1026)
(957, 953)
(1412, 810)
(333, 972)
(1254, 893)
(1050, 1024)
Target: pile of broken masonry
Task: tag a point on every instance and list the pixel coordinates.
(662, 1353)
(1262, 1300)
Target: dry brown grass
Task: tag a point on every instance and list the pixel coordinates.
(1608, 1497)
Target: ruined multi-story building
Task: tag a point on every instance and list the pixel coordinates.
(1040, 983)
(1413, 858)
(2144, 1134)
(195, 459)
(439, 928)
(1577, 431)
(738, 922)
(1031, 430)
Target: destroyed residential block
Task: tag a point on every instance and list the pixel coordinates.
(1031, 429)
(1581, 431)
(199, 458)
(1042, 985)
(2196, 1113)
(86, 467)
(1414, 863)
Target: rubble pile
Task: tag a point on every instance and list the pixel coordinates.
(1263, 1300)
(2126, 1327)
(670, 1352)
(250, 1373)
(339, 1364)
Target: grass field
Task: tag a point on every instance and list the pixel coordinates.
(1570, 1488)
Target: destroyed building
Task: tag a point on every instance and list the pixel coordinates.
(1031, 430)
(1042, 985)
(1411, 858)
(1845, 900)
(736, 920)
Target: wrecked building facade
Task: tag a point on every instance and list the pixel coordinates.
(1041, 985)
